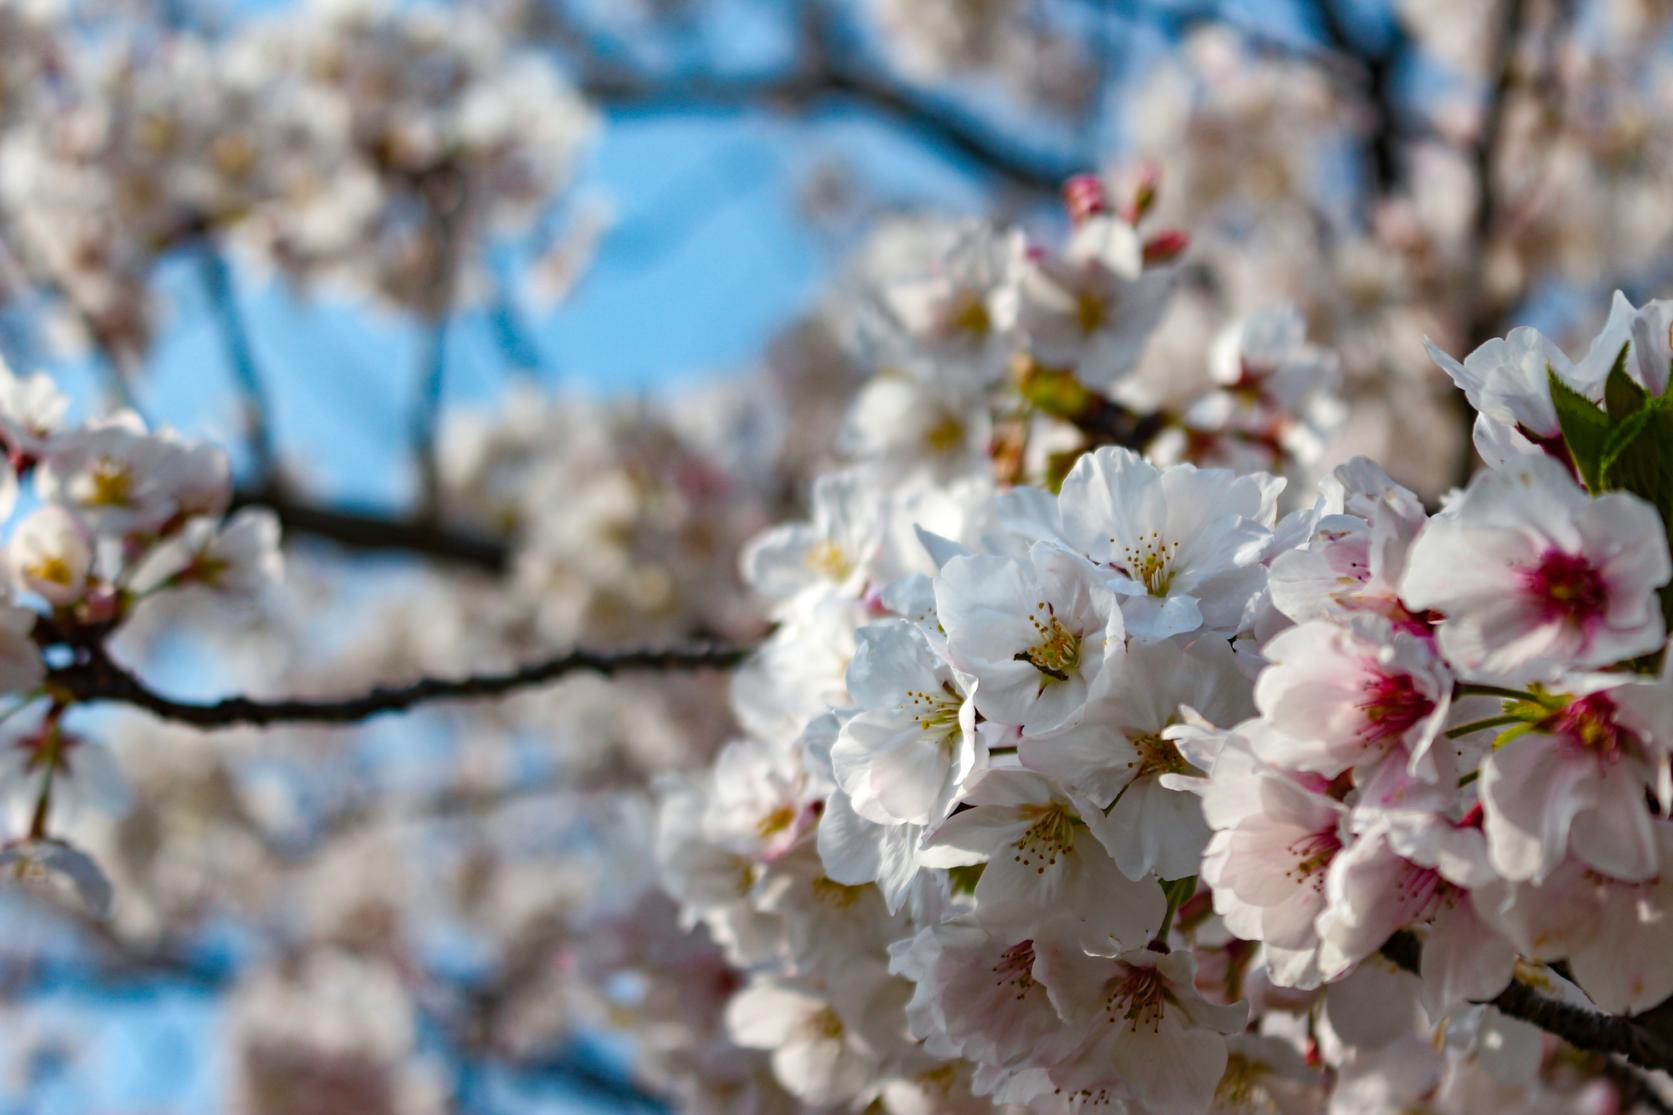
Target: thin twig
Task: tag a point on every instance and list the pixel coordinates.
(445, 202)
(241, 358)
(1485, 311)
(1381, 66)
(100, 679)
(834, 82)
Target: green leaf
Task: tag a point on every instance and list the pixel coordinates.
(1638, 455)
(1622, 396)
(1638, 458)
(1585, 428)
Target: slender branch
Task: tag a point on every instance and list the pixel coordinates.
(1584, 1029)
(444, 200)
(830, 81)
(1381, 66)
(1484, 310)
(620, 1093)
(1635, 1090)
(99, 679)
(369, 530)
(241, 358)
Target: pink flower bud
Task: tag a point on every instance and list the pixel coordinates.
(1144, 194)
(1085, 197)
(1166, 246)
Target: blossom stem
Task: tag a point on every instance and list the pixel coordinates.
(1478, 725)
(43, 803)
(1177, 892)
(1470, 689)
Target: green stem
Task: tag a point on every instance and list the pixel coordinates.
(1470, 689)
(43, 804)
(1177, 892)
(1478, 725)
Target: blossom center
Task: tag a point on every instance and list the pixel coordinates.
(1240, 1082)
(1158, 756)
(837, 896)
(1568, 587)
(1422, 892)
(1057, 651)
(828, 560)
(967, 314)
(52, 569)
(937, 713)
(1092, 311)
(112, 483)
(1391, 705)
(1313, 854)
(1049, 837)
(1016, 969)
(945, 435)
(1150, 562)
(1589, 724)
(824, 1024)
(1138, 997)
(775, 822)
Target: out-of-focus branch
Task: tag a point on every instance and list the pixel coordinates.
(826, 72)
(372, 531)
(807, 90)
(620, 1092)
(1380, 65)
(444, 199)
(241, 357)
(99, 679)
(1485, 311)
(116, 363)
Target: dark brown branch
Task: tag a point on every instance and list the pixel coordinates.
(831, 81)
(1486, 311)
(372, 531)
(99, 679)
(1632, 1038)
(1381, 66)
(444, 198)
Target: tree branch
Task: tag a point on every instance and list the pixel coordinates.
(241, 358)
(1484, 310)
(369, 530)
(100, 679)
(829, 80)
(1381, 65)
(1631, 1038)
(444, 199)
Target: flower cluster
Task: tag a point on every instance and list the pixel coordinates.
(115, 517)
(1112, 792)
(989, 344)
(364, 144)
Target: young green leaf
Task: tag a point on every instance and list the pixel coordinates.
(1585, 429)
(1622, 396)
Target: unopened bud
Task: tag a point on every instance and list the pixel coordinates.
(1144, 194)
(101, 605)
(1085, 197)
(1166, 246)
